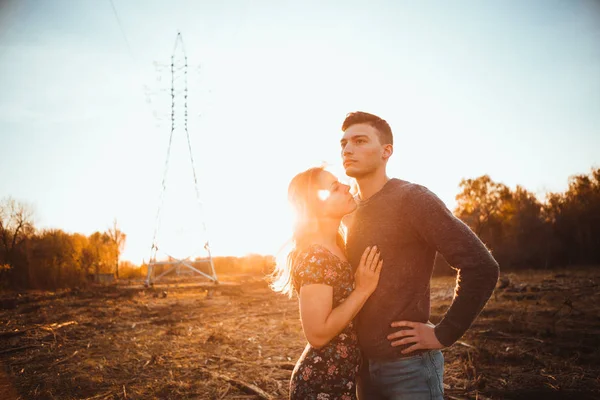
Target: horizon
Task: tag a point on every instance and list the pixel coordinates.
(274, 254)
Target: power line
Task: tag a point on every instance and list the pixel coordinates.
(136, 64)
(124, 35)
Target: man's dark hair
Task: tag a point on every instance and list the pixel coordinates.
(359, 117)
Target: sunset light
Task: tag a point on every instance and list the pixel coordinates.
(153, 155)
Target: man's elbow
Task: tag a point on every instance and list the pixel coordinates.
(493, 274)
(485, 277)
(495, 267)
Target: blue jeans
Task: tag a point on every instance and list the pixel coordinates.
(417, 377)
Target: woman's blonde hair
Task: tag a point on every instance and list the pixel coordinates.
(303, 197)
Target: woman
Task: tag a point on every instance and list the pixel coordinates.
(330, 294)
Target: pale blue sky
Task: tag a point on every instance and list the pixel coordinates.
(507, 88)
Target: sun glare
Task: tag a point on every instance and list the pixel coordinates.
(324, 194)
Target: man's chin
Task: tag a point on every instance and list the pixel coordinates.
(353, 172)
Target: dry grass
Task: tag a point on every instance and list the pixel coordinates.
(538, 337)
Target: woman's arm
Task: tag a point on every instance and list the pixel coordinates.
(320, 321)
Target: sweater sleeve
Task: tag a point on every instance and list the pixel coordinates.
(477, 270)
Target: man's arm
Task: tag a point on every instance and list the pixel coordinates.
(477, 270)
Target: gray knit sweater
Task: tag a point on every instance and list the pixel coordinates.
(409, 223)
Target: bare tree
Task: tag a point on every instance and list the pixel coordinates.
(16, 224)
(118, 239)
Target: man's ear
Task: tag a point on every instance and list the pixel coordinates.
(388, 150)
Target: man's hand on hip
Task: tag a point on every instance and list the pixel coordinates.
(422, 336)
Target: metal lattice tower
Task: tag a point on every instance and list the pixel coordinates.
(179, 125)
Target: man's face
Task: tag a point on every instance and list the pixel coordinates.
(362, 152)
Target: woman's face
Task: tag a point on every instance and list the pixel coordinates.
(335, 196)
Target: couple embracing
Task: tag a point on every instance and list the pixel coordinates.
(361, 267)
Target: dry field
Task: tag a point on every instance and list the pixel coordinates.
(538, 337)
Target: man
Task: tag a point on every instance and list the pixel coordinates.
(409, 224)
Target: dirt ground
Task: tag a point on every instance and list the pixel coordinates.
(538, 337)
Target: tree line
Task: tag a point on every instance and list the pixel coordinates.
(524, 232)
(51, 258)
(521, 231)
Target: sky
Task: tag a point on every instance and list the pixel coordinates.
(510, 89)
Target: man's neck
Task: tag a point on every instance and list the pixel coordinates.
(369, 185)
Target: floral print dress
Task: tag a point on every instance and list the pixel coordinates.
(327, 373)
